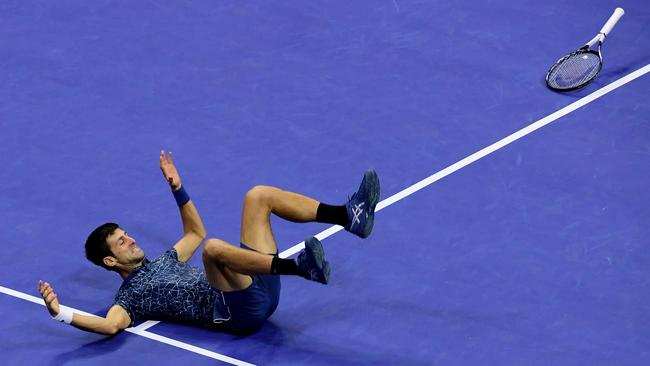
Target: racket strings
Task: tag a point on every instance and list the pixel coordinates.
(574, 70)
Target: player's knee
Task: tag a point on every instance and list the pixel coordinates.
(214, 249)
(259, 195)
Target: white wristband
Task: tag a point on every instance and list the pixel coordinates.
(65, 315)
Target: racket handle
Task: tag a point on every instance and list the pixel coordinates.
(618, 13)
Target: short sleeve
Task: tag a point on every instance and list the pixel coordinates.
(128, 311)
(124, 300)
(171, 254)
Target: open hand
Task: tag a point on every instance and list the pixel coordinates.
(48, 294)
(169, 170)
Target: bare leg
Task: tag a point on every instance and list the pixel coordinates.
(256, 221)
(228, 267)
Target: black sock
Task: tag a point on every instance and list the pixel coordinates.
(332, 214)
(280, 266)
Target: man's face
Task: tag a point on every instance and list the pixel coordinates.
(124, 248)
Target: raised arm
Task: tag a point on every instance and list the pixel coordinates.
(193, 230)
(116, 319)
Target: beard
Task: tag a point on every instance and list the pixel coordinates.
(136, 256)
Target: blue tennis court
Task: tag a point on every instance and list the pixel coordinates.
(534, 252)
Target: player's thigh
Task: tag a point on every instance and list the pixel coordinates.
(219, 276)
(256, 230)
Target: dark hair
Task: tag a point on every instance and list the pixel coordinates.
(96, 245)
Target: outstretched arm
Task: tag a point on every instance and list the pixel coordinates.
(116, 319)
(193, 230)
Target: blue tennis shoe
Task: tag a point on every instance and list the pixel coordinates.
(361, 206)
(312, 261)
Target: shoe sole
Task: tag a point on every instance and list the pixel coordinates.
(372, 183)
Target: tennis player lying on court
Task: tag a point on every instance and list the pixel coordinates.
(239, 287)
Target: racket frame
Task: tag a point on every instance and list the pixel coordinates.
(582, 50)
(599, 38)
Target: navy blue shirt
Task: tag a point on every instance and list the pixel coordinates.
(168, 289)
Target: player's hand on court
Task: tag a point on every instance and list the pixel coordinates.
(169, 170)
(49, 296)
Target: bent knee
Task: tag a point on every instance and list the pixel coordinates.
(260, 195)
(214, 248)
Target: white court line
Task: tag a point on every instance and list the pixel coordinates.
(146, 325)
(484, 152)
(385, 203)
(189, 347)
(139, 330)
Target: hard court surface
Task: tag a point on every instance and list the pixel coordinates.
(535, 254)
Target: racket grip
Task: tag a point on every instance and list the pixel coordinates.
(618, 13)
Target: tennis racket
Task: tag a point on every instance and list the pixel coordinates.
(580, 67)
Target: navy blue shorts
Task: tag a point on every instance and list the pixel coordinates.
(244, 311)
